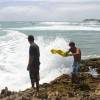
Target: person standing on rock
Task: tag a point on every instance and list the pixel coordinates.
(34, 63)
(76, 53)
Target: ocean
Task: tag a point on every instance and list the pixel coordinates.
(14, 49)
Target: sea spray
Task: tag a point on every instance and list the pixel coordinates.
(14, 59)
(53, 65)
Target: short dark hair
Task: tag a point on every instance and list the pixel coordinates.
(30, 38)
(71, 43)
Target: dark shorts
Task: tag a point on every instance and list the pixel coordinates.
(34, 76)
(34, 71)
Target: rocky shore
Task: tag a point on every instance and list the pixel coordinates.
(62, 88)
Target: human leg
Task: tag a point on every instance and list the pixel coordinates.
(32, 79)
(37, 86)
(75, 73)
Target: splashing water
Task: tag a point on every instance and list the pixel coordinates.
(14, 58)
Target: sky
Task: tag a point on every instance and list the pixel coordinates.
(49, 10)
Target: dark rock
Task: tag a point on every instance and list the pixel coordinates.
(70, 94)
(62, 88)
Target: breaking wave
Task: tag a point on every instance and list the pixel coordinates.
(14, 59)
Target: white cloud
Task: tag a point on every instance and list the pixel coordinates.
(51, 10)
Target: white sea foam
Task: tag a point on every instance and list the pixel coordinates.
(53, 65)
(54, 23)
(14, 59)
(60, 27)
(91, 56)
(93, 72)
(70, 23)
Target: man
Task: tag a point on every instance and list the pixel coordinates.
(76, 53)
(33, 65)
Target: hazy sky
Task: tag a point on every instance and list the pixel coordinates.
(48, 10)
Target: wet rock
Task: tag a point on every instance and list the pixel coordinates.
(94, 63)
(95, 98)
(71, 94)
(5, 92)
(62, 88)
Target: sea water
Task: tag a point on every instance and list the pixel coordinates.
(14, 49)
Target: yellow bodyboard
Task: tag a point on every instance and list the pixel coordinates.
(60, 52)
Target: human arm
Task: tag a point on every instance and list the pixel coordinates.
(29, 62)
(63, 53)
(30, 58)
(68, 53)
